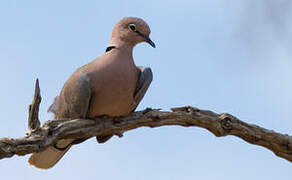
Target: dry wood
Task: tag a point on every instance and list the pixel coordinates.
(33, 110)
(219, 124)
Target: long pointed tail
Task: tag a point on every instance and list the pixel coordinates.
(50, 156)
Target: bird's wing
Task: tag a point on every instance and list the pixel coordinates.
(144, 81)
(53, 107)
(74, 99)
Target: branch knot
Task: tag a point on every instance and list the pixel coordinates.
(226, 122)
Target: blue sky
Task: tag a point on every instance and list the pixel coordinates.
(225, 56)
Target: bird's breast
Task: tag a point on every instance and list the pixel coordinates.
(113, 90)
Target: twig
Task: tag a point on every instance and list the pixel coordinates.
(33, 110)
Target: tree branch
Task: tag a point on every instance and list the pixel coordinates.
(219, 124)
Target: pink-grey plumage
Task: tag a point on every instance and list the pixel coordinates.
(109, 85)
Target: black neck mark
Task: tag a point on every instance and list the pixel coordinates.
(110, 48)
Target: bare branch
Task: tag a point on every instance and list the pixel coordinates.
(219, 124)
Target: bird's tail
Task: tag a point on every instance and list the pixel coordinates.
(50, 156)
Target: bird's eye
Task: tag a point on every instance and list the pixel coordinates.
(132, 27)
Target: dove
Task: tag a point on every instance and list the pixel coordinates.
(110, 85)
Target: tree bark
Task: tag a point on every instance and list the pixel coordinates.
(38, 138)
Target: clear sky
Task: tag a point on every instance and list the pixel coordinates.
(222, 55)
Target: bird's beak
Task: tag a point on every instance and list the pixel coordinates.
(147, 39)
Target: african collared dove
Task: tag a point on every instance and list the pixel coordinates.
(109, 85)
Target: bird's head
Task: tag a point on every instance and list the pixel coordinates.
(131, 31)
